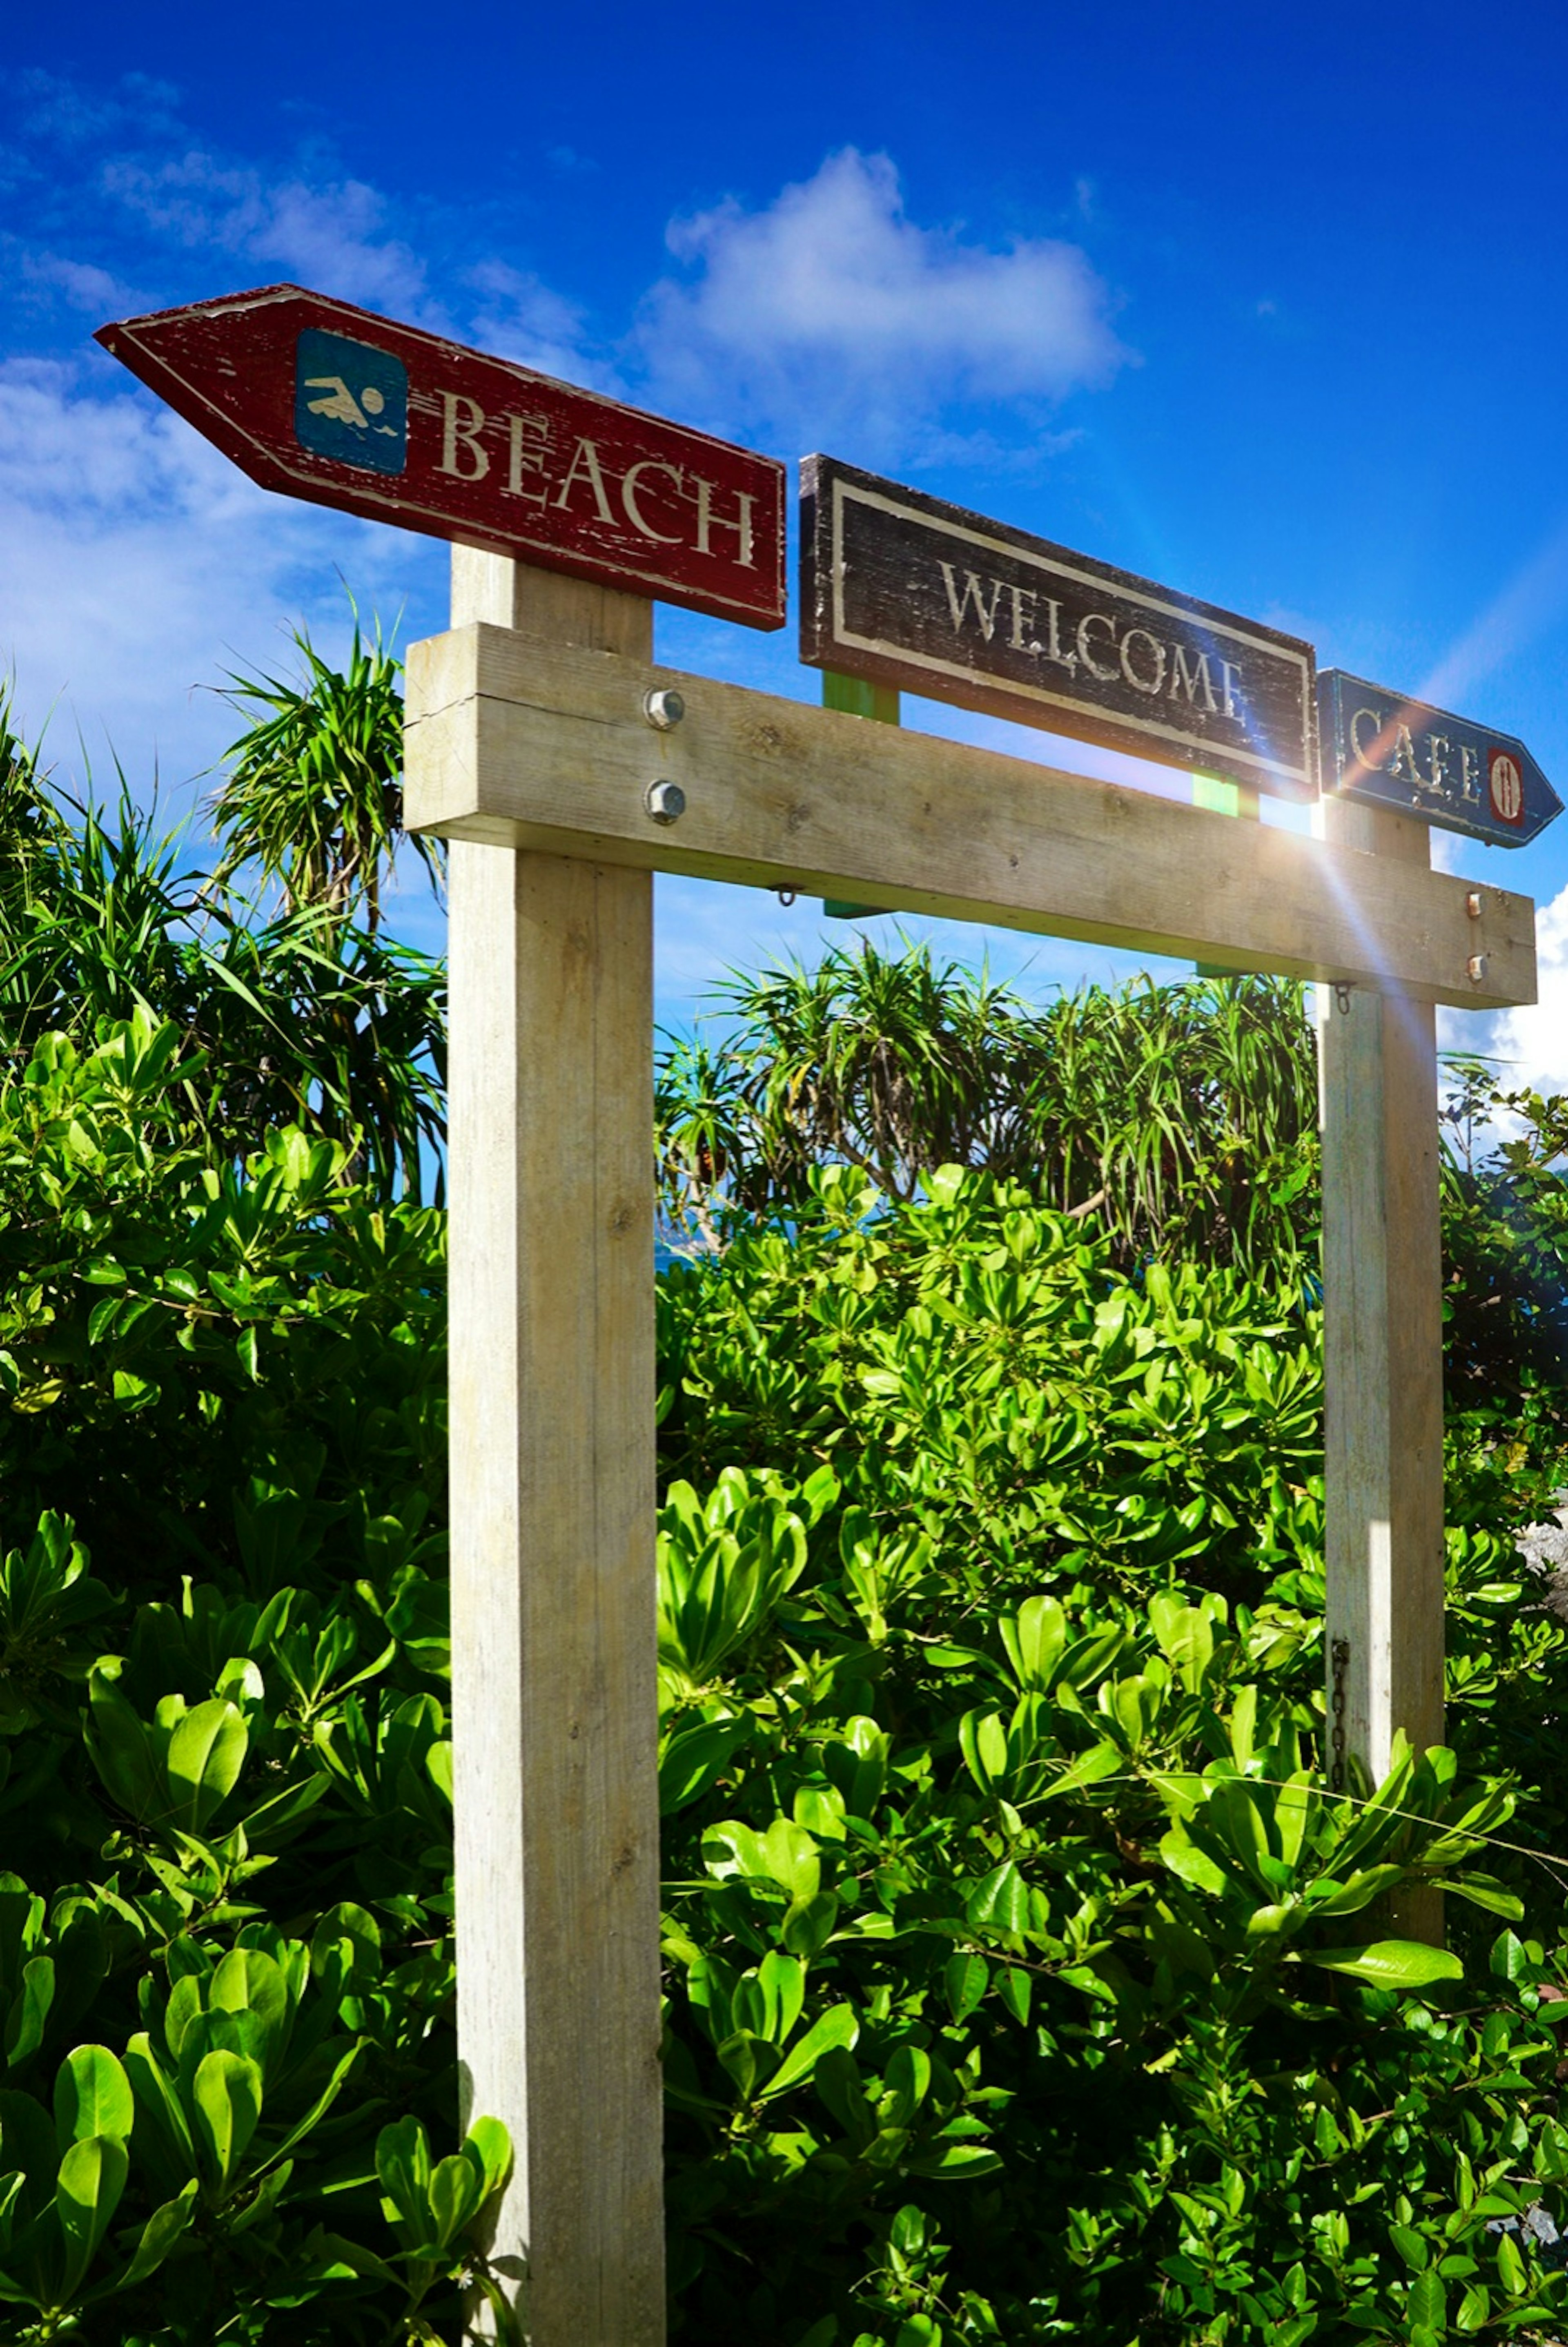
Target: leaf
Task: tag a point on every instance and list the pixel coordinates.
(808, 1925)
(837, 2027)
(695, 1758)
(92, 2096)
(1016, 1989)
(206, 1754)
(29, 2014)
(1426, 2301)
(157, 2237)
(791, 1857)
(226, 2108)
(965, 1978)
(1001, 1900)
(1389, 1963)
(1091, 1768)
(781, 1979)
(982, 1739)
(1510, 2269)
(403, 2166)
(455, 2193)
(1482, 1890)
(91, 2179)
(905, 2085)
(488, 2148)
(165, 2139)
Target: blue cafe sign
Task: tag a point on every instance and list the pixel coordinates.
(1389, 751)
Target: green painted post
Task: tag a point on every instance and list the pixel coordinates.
(856, 698)
(1223, 798)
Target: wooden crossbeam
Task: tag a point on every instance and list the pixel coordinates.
(531, 744)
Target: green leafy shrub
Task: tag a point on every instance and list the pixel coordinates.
(1024, 1980)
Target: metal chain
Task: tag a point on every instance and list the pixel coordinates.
(1342, 1001)
(1340, 1657)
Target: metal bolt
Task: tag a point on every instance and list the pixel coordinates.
(663, 708)
(665, 802)
(1472, 903)
(1475, 968)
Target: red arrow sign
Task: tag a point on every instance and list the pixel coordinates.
(320, 400)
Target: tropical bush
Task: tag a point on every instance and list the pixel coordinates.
(1025, 1980)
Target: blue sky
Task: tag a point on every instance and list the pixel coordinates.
(1267, 304)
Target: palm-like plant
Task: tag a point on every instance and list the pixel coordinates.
(30, 823)
(311, 1017)
(313, 794)
(1185, 1116)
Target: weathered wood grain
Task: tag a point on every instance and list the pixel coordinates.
(320, 400)
(546, 746)
(906, 590)
(1382, 1302)
(553, 1589)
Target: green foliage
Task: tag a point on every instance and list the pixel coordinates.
(313, 798)
(1185, 1117)
(1024, 1979)
(1026, 1982)
(306, 1019)
(227, 1936)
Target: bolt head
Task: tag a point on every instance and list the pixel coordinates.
(663, 708)
(665, 802)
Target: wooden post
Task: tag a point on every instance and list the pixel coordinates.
(553, 1588)
(1220, 797)
(1382, 1301)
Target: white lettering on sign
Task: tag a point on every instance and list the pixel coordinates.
(1366, 738)
(1437, 747)
(585, 467)
(1506, 785)
(1053, 652)
(661, 505)
(1431, 767)
(462, 454)
(1402, 764)
(1150, 680)
(985, 613)
(629, 497)
(1185, 678)
(708, 519)
(1096, 619)
(1152, 663)
(528, 439)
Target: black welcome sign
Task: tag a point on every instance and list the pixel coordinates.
(902, 589)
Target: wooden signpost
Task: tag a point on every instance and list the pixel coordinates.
(565, 768)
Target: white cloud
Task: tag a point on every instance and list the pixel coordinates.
(521, 318)
(331, 236)
(831, 312)
(140, 564)
(1533, 1042)
(81, 284)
